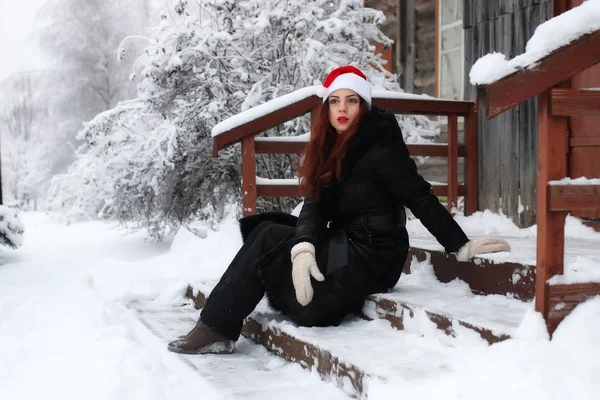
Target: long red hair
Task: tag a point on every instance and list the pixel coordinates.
(322, 159)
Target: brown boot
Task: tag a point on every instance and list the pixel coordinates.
(202, 340)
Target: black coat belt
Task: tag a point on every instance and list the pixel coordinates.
(369, 224)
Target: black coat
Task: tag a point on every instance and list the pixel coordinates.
(358, 228)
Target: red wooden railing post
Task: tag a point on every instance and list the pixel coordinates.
(452, 161)
(248, 176)
(471, 161)
(552, 165)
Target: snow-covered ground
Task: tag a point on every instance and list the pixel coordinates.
(66, 331)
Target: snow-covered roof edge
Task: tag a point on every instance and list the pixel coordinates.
(553, 34)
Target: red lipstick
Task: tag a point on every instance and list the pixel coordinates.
(342, 120)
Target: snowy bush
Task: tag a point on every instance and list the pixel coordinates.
(11, 228)
(149, 160)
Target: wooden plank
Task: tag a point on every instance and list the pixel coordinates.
(263, 190)
(559, 7)
(467, 14)
(483, 276)
(575, 102)
(280, 147)
(562, 299)
(399, 106)
(584, 161)
(434, 150)
(442, 190)
(419, 106)
(589, 141)
(527, 162)
(407, 44)
(264, 122)
(287, 147)
(574, 197)
(491, 184)
(248, 176)
(553, 69)
(471, 162)
(507, 150)
(278, 190)
(436, 55)
(525, 23)
(471, 42)
(452, 161)
(552, 165)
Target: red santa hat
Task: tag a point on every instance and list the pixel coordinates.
(346, 77)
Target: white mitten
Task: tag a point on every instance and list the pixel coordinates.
(480, 246)
(304, 265)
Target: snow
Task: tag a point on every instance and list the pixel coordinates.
(576, 181)
(268, 181)
(549, 36)
(271, 106)
(305, 137)
(263, 109)
(388, 94)
(67, 331)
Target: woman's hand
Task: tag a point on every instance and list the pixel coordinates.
(304, 265)
(481, 246)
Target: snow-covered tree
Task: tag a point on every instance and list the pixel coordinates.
(26, 152)
(84, 73)
(210, 60)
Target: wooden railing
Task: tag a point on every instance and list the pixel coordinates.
(549, 79)
(246, 132)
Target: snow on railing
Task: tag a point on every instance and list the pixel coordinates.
(267, 181)
(281, 102)
(305, 137)
(549, 36)
(576, 181)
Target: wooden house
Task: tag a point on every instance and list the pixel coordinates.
(436, 44)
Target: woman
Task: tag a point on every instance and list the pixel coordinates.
(349, 240)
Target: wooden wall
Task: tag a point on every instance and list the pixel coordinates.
(507, 143)
(415, 53)
(425, 45)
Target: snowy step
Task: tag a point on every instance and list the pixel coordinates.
(483, 275)
(344, 355)
(277, 334)
(251, 372)
(449, 306)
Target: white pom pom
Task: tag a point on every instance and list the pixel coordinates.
(321, 91)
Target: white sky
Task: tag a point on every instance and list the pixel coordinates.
(16, 23)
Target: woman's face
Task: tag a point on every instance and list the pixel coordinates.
(344, 109)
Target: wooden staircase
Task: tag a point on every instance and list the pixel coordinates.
(493, 318)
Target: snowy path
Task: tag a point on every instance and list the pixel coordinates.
(65, 332)
(237, 375)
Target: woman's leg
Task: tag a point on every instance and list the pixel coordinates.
(342, 292)
(236, 295)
